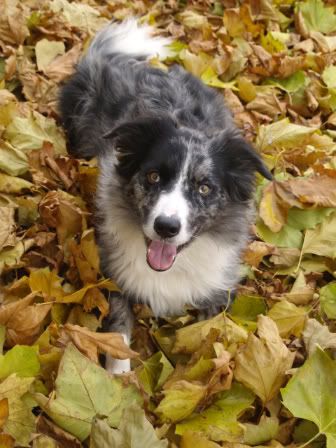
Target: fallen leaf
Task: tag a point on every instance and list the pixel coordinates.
(317, 335)
(11, 184)
(154, 372)
(189, 339)
(180, 400)
(317, 16)
(289, 318)
(20, 423)
(134, 431)
(264, 361)
(328, 299)
(61, 212)
(30, 133)
(64, 439)
(23, 321)
(91, 343)
(7, 227)
(84, 390)
(311, 394)
(322, 239)
(63, 66)
(21, 360)
(264, 431)
(219, 421)
(46, 282)
(46, 51)
(12, 161)
(192, 439)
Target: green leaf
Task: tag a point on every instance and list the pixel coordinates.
(329, 76)
(180, 400)
(134, 431)
(219, 421)
(210, 78)
(30, 133)
(248, 307)
(12, 160)
(307, 219)
(311, 394)
(282, 134)
(154, 372)
(21, 422)
(318, 17)
(22, 360)
(266, 430)
(322, 239)
(84, 390)
(291, 84)
(286, 237)
(328, 299)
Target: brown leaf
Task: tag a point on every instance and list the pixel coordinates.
(23, 321)
(4, 412)
(91, 343)
(272, 212)
(63, 66)
(7, 227)
(256, 251)
(6, 441)
(94, 298)
(60, 211)
(13, 28)
(63, 438)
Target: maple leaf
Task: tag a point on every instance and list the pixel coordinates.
(310, 394)
(84, 390)
(263, 363)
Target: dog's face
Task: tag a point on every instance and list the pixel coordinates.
(180, 183)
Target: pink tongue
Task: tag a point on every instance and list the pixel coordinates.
(161, 255)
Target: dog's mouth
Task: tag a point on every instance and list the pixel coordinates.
(161, 254)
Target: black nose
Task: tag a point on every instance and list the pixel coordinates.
(167, 226)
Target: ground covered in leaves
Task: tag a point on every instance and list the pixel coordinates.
(263, 372)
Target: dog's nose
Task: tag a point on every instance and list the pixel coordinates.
(167, 226)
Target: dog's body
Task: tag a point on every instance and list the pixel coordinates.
(176, 177)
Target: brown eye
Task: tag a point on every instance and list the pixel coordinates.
(153, 177)
(204, 189)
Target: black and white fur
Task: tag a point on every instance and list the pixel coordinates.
(137, 120)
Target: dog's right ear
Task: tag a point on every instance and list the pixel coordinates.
(132, 140)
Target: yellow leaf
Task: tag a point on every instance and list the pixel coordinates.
(289, 318)
(46, 282)
(46, 51)
(264, 361)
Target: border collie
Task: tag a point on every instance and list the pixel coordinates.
(176, 182)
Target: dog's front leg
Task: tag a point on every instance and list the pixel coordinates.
(120, 320)
(214, 305)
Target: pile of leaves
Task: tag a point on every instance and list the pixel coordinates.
(262, 373)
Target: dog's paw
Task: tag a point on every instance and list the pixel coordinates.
(117, 366)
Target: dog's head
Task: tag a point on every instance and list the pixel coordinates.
(181, 182)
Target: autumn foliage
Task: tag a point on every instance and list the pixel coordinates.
(262, 373)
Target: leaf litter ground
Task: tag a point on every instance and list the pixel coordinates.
(262, 373)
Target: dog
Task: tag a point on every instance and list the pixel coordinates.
(175, 191)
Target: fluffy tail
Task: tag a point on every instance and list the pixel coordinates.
(130, 38)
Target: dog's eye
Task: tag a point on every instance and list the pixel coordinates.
(153, 177)
(204, 190)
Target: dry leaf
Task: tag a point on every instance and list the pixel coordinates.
(91, 343)
(264, 361)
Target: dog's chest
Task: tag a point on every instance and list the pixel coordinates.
(201, 270)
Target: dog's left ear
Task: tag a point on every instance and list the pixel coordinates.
(132, 140)
(239, 161)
